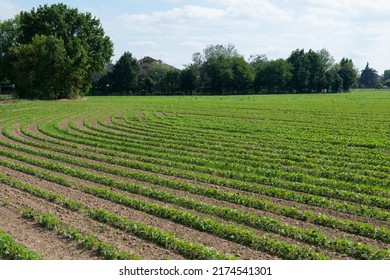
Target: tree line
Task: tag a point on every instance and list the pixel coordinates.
(222, 70)
(55, 52)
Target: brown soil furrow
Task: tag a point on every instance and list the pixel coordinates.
(134, 215)
(301, 224)
(229, 189)
(46, 243)
(272, 199)
(123, 241)
(329, 232)
(76, 194)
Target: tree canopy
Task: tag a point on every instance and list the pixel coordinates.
(75, 42)
(222, 70)
(369, 77)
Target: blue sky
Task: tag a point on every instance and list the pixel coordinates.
(172, 30)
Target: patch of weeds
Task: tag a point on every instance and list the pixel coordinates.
(6, 203)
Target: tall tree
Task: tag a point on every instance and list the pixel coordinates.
(368, 77)
(163, 77)
(215, 51)
(386, 75)
(334, 82)
(219, 74)
(386, 78)
(8, 36)
(243, 75)
(87, 48)
(189, 78)
(348, 73)
(316, 66)
(223, 70)
(125, 74)
(326, 59)
(299, 70)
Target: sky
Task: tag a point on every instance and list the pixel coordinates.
(172, 30)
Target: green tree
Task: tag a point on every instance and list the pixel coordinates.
(273, 76)
(8, 36)
(386, 75)
(243, 75)
(145, 85)
(299, 70)
(348, 73)
(215, 66)
(102, 82)
(189, 78)
(215, 51)
(368, 77)
(219, 74)
(308, 70)
(257, 60)
(326, 59)
(334, 81)
(86, 46)
(171, 81)
(164, 77)
(125, 74)
(316, 66)
(39, 69)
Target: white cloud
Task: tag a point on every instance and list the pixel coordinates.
(175, 18)
(192, 45)
(354, 29)
(147, 44)
(260, 9)
(359, 6)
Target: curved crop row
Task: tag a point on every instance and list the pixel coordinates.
(12, 251)
(291, 178)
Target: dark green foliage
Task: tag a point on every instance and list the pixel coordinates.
(386, 75)
(222, 70)
(189, 78)
(8, 36)
(333, 79)
(316, 81)
(73, 43)
(299, 70)
(348, 73)
(161, 78)
(273, 76)
(314, 72)
(40, 69)
(368, 78)
(125, 74)
(243, 75)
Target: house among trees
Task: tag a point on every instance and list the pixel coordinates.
(145, 62)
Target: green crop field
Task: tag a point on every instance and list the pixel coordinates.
(201, 177)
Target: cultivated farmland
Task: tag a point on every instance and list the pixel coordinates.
(247, 177)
